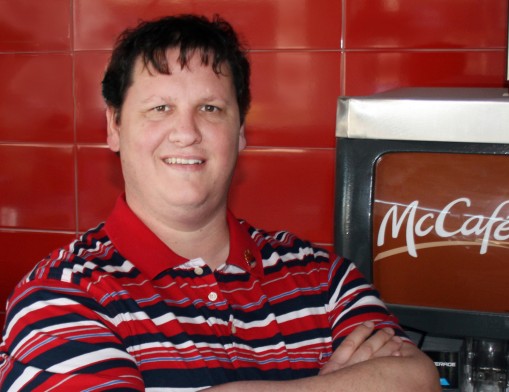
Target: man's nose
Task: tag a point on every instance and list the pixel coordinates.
(184, 129)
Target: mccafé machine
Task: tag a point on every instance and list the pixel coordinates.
(423, 209)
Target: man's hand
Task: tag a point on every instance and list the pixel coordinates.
(360, 346)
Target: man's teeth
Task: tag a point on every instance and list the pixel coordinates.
(183, 161)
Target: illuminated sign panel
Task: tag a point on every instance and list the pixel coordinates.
(441, 230)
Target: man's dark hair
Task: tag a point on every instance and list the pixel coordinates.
(214, 40)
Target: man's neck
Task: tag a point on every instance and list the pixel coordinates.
(191, 233)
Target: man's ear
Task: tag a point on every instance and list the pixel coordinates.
(113, 128)
(242, 139)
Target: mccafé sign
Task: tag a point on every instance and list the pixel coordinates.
(405, 222)
(441, 230)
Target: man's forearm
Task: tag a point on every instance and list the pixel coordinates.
(412, 371)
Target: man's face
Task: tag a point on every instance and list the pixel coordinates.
(178, 136)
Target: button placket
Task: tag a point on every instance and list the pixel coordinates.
(199, 270)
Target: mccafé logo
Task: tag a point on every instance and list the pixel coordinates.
(480, 226)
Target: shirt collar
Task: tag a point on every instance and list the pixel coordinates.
(138, 244)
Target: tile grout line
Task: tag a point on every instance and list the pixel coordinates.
(75, 133)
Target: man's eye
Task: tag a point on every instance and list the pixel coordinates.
(161, 108)
(210, 108)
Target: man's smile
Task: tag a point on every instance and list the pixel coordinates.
(183, 161)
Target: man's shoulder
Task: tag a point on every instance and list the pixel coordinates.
(91, 251)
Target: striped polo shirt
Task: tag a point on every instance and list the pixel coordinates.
(118, 310)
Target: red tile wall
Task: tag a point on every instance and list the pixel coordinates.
(57, 178)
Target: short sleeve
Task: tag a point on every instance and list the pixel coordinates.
(353, 300)
(57, 338)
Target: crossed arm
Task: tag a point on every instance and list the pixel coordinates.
(363, 362)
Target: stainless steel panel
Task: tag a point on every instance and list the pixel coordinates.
(427, 114)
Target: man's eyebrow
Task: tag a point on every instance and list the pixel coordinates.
(154, 97)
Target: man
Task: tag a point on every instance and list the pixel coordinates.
(172, 292)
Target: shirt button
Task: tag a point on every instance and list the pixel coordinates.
(212, 296)
(234, 328)
(198, 271)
